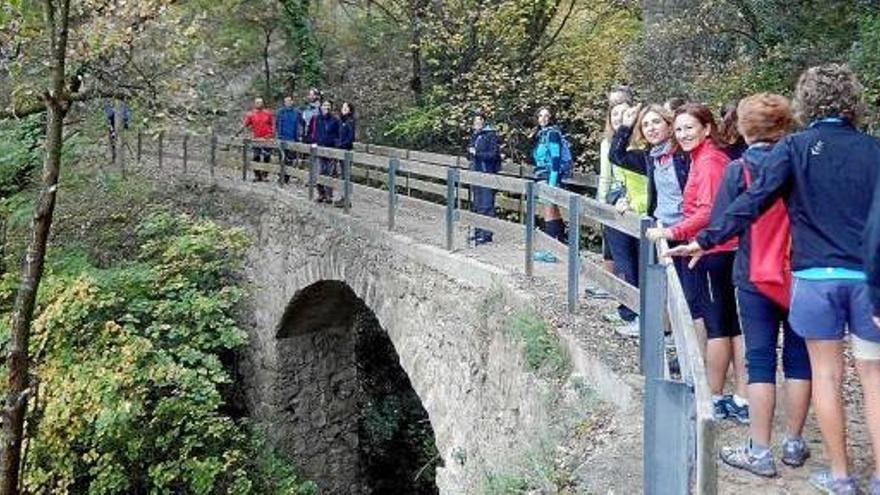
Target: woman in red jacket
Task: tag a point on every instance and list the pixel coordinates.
(696, 134)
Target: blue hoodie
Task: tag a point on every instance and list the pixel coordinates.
(827, 175)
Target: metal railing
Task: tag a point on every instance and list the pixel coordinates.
(679, 427)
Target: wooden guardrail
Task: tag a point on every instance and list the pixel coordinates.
(679, 427)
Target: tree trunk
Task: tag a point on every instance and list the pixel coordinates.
(17, 361)
(266, 71)
(417, 12)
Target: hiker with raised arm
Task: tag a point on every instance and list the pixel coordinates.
(827, 175)
(261, 122)
(627, 191)
(762, 276)
(484, 151)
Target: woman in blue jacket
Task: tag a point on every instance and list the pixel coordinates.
(326, 134)
(547, 156)
(485, 156)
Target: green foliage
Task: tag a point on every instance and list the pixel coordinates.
(21, 151)
(865, 58)
(541, 346)
(132, 361)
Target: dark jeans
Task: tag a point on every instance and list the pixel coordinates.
(264, 155)
(484, 204)
(625, 253)
(328, 168)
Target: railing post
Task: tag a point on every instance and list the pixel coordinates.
(346, 178)
(185, 149)
(140, 139)
(651, 344)
(282, 163)
(393, 163)
(313, 171)
(646, 258)
(574, 250)
(245, 143)
(451, 194)
(213, 161)
(161, 146)
(530, 228)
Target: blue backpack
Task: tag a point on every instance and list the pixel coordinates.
(565, 159)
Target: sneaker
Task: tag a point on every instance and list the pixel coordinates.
(795, 453)
(596, 292)
(740, 414)
(629, 329)
(339, 203)
(720, 409)
(742, 458)
(545, 257)
(874, 486)
(823, 481)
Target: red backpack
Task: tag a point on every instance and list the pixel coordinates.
(770, 255)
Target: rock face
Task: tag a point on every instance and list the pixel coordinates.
(306, 273)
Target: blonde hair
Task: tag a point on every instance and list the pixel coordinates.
(638, 138)
(609, 128)
(830, 90)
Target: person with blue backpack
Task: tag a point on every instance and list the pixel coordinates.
(826, 174)
(551, 153)
(485, 153)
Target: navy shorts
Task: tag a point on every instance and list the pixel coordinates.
(686, 277)
(715, 295)
(761, 320)
(824, 309)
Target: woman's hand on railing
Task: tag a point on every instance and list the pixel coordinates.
(691, 249)
(656, 233)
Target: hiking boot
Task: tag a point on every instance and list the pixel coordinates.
(742, 458)
(545, 257)
(740, 414)
(629, 329)
(823, 481)
(719, 407)
(340, 203)
(795, 452)
(596, 292)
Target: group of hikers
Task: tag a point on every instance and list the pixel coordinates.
(772, 215)
(315, 123)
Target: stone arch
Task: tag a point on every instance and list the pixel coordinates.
(325, 383)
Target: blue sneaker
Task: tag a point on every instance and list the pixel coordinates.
(740, 414)
(720, 409)
(823, 481)
(545, 257)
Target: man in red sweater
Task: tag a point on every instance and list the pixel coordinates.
(261, 122)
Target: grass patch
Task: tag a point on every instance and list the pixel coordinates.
(541, 348)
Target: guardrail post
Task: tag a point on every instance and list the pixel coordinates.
(651, 343)
(393, 163)
(185, 150)
(646, 258)
(161, 146)
(245, 143)
(282, 162)
(313, 171)
(213, 161)
(574, 250)
(530, 228)
(346, 180)
(451, 196)
(140, 148)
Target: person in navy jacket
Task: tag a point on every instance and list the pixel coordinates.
(325, 133)
(872, 253)
(288, 124)
(827, 175)
(485, 154)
